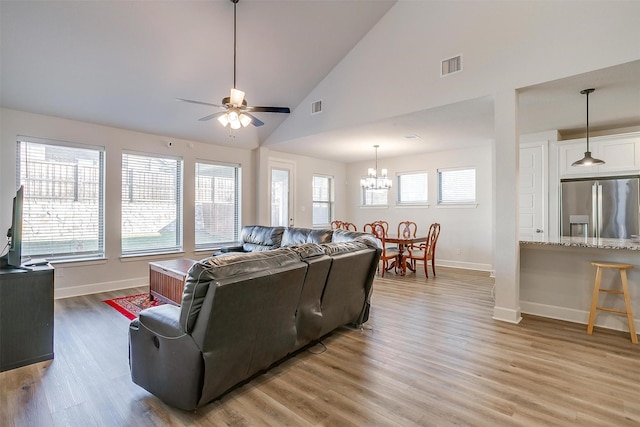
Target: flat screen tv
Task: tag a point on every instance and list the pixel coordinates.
(13, 258)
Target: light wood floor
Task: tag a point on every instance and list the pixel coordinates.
(429, 355)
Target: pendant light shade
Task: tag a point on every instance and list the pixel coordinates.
(587, 160)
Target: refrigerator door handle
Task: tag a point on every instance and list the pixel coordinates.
(599, 201)
(594, 210)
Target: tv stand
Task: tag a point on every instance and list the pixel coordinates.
(26, 316)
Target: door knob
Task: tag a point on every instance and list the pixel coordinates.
(538, 230)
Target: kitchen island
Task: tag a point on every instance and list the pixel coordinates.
(556, 278)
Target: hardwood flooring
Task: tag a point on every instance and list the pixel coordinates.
(430, 355)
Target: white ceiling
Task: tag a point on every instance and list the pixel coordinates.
(123, 63)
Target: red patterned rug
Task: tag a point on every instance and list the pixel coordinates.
(132, 305)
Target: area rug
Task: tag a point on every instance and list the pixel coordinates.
(130, 306)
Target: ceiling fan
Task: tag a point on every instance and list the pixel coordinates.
(236, 113)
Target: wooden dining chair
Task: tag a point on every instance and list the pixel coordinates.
(349, 226)
(388, 253)
(407, 230)
(336, 225)
(425, 252)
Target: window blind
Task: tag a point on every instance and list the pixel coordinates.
(457, 186)
(374, 197)
(322, 200)
(63, 213)
(151, 204)
(217, 204)
(412, 188)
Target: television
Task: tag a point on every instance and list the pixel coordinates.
(13, 258)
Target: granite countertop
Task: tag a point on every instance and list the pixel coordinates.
(587, 242)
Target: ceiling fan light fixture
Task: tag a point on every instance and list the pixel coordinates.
(587, 160)
(236, 98)
(224, 119)
(244, 120)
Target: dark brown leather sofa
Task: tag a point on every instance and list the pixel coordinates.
(242, 312)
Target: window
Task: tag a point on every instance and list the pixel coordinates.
(457, 186)
(151, 204)
(217, 204)
(322, 200)
(63, 212)
(412, 188)
(372, 197)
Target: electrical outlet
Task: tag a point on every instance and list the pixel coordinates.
(458, 251)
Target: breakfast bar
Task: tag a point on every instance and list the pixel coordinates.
(557, 278)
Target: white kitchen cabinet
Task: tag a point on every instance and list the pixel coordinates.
(621, 154)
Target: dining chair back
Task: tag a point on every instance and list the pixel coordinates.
(388, 253)
(336, 224)
(407, 229)
(349, 226)
(425, 252)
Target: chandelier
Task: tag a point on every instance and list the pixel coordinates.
(373, 181)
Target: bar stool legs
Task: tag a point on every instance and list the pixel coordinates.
(622, 268)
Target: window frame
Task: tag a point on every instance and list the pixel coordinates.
(364, 192)
(67, 256)
(460, 203)
(330, 200)
(399, 200)
(178, 247)
(237, 192)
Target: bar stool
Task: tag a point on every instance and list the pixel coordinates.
(622, 268)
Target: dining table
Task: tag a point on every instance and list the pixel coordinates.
(403, 242)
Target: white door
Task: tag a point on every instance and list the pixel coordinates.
(281, 200)
(533, 192)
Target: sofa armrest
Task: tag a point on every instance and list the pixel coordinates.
(164, 359)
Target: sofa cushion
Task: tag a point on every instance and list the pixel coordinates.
(209, 270)
(308, 250)
(296, 236)
(261, 238)
(350, 236)
(336, 248)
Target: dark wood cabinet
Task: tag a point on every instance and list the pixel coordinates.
(26, 316)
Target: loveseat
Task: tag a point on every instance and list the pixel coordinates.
(242, 312)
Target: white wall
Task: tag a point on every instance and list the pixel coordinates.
(464, 228)
(115, 272)
(305, 168)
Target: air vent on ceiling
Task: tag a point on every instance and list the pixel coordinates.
(451, 65)
(316, 107)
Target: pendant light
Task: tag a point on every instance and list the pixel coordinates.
(587, 160)
(374, 182)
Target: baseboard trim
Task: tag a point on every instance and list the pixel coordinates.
(603, 319)
(509, 315)
(463, 265)
(94, 288)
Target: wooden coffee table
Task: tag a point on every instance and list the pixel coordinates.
(167, 278)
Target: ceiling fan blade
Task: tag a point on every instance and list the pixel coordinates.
(211, 116)
(199, 102)
(254, 120)
(270, 109)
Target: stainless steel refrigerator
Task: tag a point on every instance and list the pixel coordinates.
(601, 207)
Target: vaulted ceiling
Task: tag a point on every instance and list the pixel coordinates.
(123, 63)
